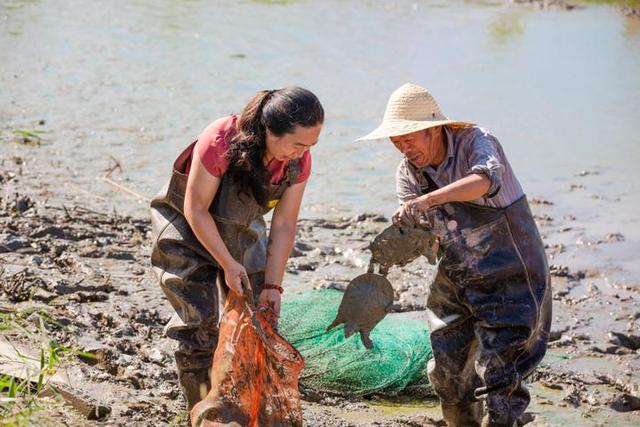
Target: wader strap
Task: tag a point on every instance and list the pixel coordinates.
(179, 177)
(293, 171)
(432, 184)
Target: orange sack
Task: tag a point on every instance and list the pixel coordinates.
(255, 371)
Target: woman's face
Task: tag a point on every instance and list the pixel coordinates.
(293, 145)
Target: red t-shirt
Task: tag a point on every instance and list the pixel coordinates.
(213, 144)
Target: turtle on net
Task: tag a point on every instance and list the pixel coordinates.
(367, 299)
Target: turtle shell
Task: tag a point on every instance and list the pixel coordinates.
(399, 246)
(366, 301)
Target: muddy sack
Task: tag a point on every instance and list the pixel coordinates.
(254, 375)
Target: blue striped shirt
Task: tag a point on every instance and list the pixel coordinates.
(469, 150)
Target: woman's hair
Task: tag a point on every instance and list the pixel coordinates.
(280, 111)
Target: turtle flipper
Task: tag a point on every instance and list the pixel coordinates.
(366, 340)
(338, 320)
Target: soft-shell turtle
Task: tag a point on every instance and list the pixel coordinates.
(367, 299)
(397, 245)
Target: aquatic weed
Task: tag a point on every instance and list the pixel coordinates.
(29, 136)
(23, 399)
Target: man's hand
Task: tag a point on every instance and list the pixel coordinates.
(410, 212)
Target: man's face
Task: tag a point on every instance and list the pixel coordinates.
(422, 147)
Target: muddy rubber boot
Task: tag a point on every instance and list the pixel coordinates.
(504, 409)
(195, 385)
(199, 413)
(488, 422)
(463, 415)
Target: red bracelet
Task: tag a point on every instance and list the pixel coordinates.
(272, 286)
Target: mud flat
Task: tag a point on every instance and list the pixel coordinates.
(75, 280)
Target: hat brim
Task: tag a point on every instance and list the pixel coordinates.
(402, 127)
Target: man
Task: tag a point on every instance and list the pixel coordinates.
(489, 307)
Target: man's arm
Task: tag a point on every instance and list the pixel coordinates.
(465, 189)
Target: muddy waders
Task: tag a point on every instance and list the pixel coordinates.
(191, 279)
(489, 311)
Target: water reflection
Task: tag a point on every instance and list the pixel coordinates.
(505, 28)
(631, 27)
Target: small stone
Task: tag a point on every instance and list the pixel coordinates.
(156, 356)
(573, 397)
(629, 341)
(565, 340)
(625, 403)
(614, 237)
(551, 385)
(168, 391)
(611, 349)
(11, 243)
(556, 335)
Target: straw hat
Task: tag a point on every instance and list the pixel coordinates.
(410, 108)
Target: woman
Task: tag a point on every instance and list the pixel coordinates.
(208, 227)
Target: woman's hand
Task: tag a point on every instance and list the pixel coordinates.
(236, 277)
(270, 298)
(410, 212)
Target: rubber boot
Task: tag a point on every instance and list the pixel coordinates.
(195, 385)
(463, 415)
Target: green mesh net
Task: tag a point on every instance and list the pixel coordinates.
(396, 363)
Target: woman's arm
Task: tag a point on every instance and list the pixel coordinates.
(281, 238)
(199, 194)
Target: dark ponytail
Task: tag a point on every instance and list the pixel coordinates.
(280, 111)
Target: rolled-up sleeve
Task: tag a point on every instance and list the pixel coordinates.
(406, 186)
(484, 158)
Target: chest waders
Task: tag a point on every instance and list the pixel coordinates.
(489, 311)
(191, 279)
